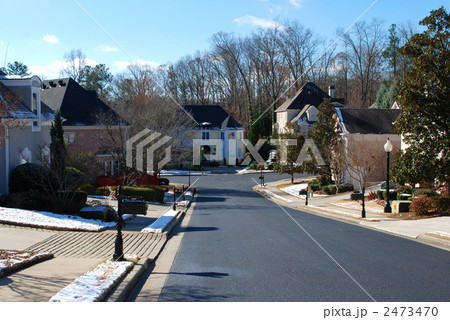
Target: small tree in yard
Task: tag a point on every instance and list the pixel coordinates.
(425, 98)
(290, 145)
(58, 152)
(359, 163)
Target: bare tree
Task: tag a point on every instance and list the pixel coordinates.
(140, 104)
(9, 107)
(365, 44)
(360, 162)
(75, 64)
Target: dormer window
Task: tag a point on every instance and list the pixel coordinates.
(34, 104)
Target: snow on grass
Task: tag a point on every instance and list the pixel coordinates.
(370, 206)
(182, 172)
(439, 234)
(95, 284)
(11, 260)
(51, 220)
(296, 188)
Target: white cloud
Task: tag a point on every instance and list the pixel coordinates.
(296, 3)
(52, 70)
(106, 48)
(50, 38)
(257, 22)
(123, 65)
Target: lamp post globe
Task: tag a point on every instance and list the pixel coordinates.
(387, 148)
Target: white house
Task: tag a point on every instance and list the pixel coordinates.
(302, 108)
(25, 124)
(216, 133)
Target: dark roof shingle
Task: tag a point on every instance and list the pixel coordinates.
(78, 105)
(213, 114)
(309, 93)
(368, 121)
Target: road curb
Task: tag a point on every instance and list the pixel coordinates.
(129, 283)
(428, 239)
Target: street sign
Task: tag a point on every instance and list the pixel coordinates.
(261, 166)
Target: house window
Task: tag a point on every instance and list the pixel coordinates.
(231, 136)
(34, 105)
(70, 137)
(205, 135)
(222, 135)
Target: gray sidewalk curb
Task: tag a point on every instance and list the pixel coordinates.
(422, 238)
(129, 283)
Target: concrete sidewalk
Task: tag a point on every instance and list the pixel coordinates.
(76, 253)
(432, 231)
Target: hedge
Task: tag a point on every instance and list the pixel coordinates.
(146, 193)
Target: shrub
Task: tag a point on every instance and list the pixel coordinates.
(380, 195)
(69, 201)
(163, 181)
(404, 189)
(346, 187)
(25, 177)
(392, 195)
(88, 188)
(324, 180)
(148, 193)
(253, 166)
(425, 191)
(442, 204)
(421, 205)
(326, 189)
(392, 185)
(314, 185)
(402, 197)
(75, 178)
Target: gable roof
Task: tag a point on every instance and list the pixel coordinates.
(20, 110)
(78, 106)
(213, 114)
(367, 121)
(309, 93)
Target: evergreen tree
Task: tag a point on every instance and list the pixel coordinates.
(58, 151)
(425, 99)
(16, 68)
(392, 53)
(287, 155)
(386, 95)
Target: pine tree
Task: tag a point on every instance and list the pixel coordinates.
(58, 151)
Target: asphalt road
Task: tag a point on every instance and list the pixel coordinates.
(241, 247)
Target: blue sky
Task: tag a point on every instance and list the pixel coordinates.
(38, 33)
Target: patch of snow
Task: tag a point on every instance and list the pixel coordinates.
(48, 219)
(296, 188)
(160, 224)
(273, 195)
(182, 172)
(92, 285)
(440, 234)
(12, 258)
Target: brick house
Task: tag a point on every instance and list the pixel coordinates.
(80, 109)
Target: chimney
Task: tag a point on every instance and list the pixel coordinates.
(331, 91)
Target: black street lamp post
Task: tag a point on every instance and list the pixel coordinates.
(118, 250)
(388, 149)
